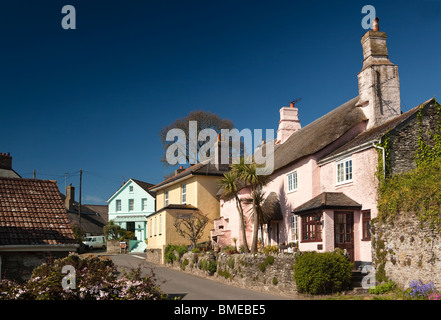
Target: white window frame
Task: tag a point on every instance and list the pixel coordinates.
(117, 205)
(184, 194)
(130, 189)
(131, 205)
(144, 204)
(165, 198)
(292, 184)
(294, 227)
(346, 173)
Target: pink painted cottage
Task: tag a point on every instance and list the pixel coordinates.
(324, 181)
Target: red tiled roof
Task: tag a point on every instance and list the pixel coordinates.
(32, 213)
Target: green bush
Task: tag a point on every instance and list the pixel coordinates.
(271, 249)
(322, 273)
(169, 252)
(383, 288)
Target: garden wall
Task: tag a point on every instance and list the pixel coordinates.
(265, 273)
(407, 250)
(154, 255)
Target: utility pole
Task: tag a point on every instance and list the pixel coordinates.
(35, 174)
(79, 207)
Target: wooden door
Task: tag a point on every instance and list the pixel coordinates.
(344, 232)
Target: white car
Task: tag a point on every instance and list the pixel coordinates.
(95, 242)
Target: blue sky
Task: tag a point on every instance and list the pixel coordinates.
(95, 98)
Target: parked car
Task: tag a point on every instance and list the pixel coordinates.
(95, 242)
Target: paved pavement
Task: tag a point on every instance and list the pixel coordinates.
(187, 286)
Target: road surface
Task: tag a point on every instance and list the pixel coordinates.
(189, 287)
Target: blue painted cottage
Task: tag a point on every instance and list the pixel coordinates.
(130, 206)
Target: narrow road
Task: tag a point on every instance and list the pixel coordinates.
(187, 286)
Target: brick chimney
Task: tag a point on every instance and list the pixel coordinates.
(289, 122)
(5, 161)
(181, 168)
(378, 81)
(70, 197)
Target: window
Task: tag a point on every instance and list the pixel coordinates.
(144, 204)
(344, 171)
(184, 193)
(292, 181)
(166, 198)
(130, 189)
(118, 205)
(366, 220)
(294, 228)
(160, 224)
(311, 227)
(131, 204)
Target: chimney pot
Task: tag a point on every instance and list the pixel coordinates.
(375, 25)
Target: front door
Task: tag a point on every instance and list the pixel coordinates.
(344, 232)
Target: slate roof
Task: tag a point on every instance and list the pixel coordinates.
(202, 168)
(33, 213)
(146, 186)
(328, 200)
(186, 207)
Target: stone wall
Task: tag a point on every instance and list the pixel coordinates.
(407, 250)
(18, 266)
(404, 139)
(154, 255)
(113, 246)
(272, 273)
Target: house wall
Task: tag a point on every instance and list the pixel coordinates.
(362, 189)
(228, 226)
(200, 193)
(175, 193)
(404, 139)
(137, 195)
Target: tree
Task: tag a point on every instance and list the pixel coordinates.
(247, 173)
(257, 199)
(113, 231)
(191, 226)
(205, 120)
(230, 185)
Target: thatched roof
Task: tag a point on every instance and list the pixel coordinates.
(318, 134)
(377, 132)
(271, 208)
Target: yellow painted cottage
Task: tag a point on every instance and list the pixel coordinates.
(189, 191)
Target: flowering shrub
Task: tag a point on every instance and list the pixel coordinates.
(435, 296)
(419, 290)
(95, 279)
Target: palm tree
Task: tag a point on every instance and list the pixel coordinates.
(257, 199)
(247, 173)
(230, 186)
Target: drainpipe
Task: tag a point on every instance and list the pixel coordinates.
(374, 144)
